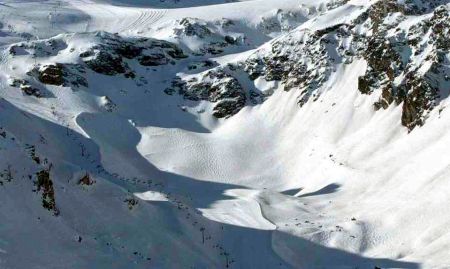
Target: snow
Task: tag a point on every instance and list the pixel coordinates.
(152, 196)
(329, 185)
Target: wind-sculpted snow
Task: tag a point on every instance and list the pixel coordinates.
(224, 134)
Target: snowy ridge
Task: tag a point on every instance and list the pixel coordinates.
(224, 134)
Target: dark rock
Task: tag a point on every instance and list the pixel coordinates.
(153, 59)
(128, 51)
(30, 90)
(58, 74)
(51, 74)
(131, 202)
(215, 86)
(105, 63)
(86, 180)
(193, 27)
(230, 40)
(45, 185)
(228, 107)
(176, 53)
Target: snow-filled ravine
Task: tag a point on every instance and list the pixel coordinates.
(224, 134)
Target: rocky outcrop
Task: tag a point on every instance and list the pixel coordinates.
(406, 64)
(300, 60)
(67, 75)
(215, 86)
(39, 48)
(193, 27)
(6, 175)
(131, 202)
(153, 60)
(103, 62)
(213, 37)
(86, 180)
(417, 80)
(108, 104)
(26, 87)
(283, 21)
(110, 56)
(51, 74)
(44, 185)
(101, 52)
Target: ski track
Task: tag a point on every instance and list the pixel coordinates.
(121, 20)
(3, 66)
(145, 19)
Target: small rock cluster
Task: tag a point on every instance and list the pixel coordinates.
(44, 185)
(215, 86)
(212, 36)
(26, 87)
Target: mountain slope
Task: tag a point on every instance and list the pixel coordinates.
(251, 134)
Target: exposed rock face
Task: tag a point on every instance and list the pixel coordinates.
(45, 186)
(86, 180)
(407, 63)
(108, 104)
(301, 60)
(402, 67)
(409, 80)
(211, 36)
(105, 63)
(283, 21)
(67, 75)
(131, 202)
(40, 48)
(193, 27)
(26, 87)
(111, 55)
(6, 174)
(336, 3)
(30, 90)
(202, 64)
(51, 74)
(228, 107)
(215, 86)
(153, 60)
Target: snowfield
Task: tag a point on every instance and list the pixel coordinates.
(163, 134)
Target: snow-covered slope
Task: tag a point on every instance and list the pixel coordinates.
(224, 134)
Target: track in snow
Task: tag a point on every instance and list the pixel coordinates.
(117, 19)
(145, 18)
(3, 66)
